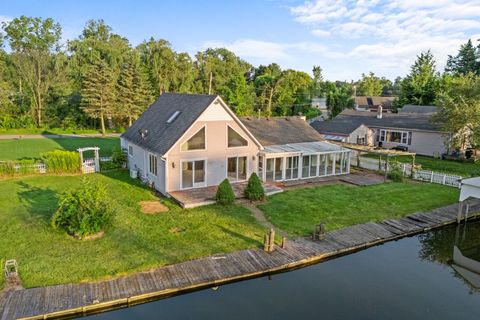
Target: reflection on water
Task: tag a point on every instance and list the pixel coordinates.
(411, 278)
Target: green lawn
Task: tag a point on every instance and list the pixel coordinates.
(32, 148)
(464, 169)
(298, 211)
(135, 241)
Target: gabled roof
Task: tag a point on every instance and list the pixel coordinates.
(158, 135)
(349, 120)
(281, 130)
(411, 108)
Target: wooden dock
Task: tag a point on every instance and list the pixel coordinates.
(69, 300)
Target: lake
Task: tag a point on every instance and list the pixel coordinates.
(411, 278)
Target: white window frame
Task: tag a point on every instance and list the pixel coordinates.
(130, 151)
(155, 168)
(189, 137)
(292, 168)
(236, 156)
(204, 184)
(226, 135)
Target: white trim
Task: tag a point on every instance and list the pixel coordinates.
(193, 174)
(191, 136)
(155, 174)
(246, 163)
(226, 140)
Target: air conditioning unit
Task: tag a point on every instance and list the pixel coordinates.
(134, 173)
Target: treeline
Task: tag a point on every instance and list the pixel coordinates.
(99, 80)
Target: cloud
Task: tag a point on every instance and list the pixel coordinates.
(389, 33)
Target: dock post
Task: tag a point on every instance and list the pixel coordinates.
(319, 232)
(460, 209)
(284, 242)
(269, 241)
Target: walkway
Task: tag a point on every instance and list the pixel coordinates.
(84, 298)
(56, 136)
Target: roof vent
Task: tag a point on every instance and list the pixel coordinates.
(173, 117)
(143, 133)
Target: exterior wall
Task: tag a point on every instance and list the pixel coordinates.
(362, 132)
(139, 160)
(424, 143)
(216, 152)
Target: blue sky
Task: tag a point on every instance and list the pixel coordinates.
(345, 37)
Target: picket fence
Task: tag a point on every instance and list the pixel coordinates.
(42, 168)
(420, 175)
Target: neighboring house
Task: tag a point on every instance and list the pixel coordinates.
(363, 103)
(185, 141)
(414, 130)
(321, 105)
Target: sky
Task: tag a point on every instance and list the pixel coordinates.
(345, 37)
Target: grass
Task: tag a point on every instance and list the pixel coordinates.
(135, 241)
(49, 131)
(298, 211)
(464, 169)
(16, 149)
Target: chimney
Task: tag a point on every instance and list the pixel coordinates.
(304, 118)
(380, 112)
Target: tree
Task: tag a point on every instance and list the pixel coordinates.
(317, 83)
(131, 94)
(459, 114)
(466, 61)
(240, 95)
(370, 85)
(34, 43)
(421, 84)
(225, 194)
(98, 92)
(254, 190)
(339, 97)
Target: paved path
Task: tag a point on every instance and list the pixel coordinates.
(84, 298)
(55, 136)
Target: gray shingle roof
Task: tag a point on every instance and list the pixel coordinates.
(349, 120)
(409, 108)
(281, 130)
(160, 136)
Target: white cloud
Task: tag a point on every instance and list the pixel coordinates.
(389, 34)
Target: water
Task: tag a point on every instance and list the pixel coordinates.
(408, 279)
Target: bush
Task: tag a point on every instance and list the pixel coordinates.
(18, 167)
(84, 211)
(225, 193)
(60, 161)
(254, 190)
(395, 173)
(119, 158)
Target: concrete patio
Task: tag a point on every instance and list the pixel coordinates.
(192, 198)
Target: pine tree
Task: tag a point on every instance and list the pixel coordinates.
(467, 60)
(98, 92)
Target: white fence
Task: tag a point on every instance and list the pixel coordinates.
(421, 175)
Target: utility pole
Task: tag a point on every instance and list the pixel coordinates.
(210, 83)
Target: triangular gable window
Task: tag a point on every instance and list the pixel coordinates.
(235, 139)
(196, 142)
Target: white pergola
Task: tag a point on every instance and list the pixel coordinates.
(469, 188)
(304, 160)
(86, 166)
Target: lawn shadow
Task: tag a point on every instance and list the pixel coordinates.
(40, 202)
(239, 236)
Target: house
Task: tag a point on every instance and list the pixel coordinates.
(364, 103)
(414, 130)
(185, 141)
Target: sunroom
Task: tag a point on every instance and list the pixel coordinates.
(305, 160)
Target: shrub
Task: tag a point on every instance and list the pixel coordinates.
(60, 161)
(84, 211)
(395, 173)
(119, 158)
(254, 190)
(225, 193)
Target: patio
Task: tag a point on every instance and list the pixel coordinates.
(192, 198)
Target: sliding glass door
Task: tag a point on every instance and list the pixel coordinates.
(237, 168)
(193, 174)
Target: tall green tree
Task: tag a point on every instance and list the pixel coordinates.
(317, 90)
(34, 43)
(421, 84)
(240, 95)
(370, 85)
(339, 97)
(466, 61)
(459, 114)
(98, 92)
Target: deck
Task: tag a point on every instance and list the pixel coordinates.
(202, 196)
(86, 298)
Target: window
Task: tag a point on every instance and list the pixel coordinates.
(237, 168)
(152, 164)
(196, 142)
(193, 174)
(130, 150)
(382, 135)
(235, 139)
(292, 168)
(395, 136)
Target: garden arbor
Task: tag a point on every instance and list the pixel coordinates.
(90, 165)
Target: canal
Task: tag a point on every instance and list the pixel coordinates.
(411, 278)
